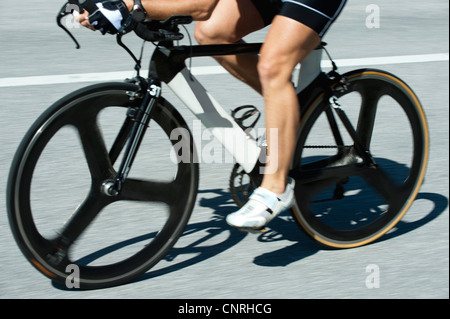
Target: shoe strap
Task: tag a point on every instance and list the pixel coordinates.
(266, 197)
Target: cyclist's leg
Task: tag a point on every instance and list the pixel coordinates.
(294, 33)
(230, 21)
(288, 43)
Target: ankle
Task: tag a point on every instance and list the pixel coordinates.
(277, 187)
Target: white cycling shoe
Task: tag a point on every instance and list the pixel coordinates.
(262, 206)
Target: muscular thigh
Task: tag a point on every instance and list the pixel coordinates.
(231, 20)
(295, 31)
(288, 42)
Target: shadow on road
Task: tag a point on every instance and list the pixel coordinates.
(207, 244)
(303, 246)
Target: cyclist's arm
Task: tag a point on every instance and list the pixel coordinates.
(161, 10)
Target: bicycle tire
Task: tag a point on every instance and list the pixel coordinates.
(171, 200)
(352, 204)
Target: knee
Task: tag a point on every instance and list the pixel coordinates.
(208, 32)
(201, 32)
(272, 70)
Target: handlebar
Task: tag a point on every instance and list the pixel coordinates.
(153, 31)
(166, 30)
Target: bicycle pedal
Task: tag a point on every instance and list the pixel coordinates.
(251, 230)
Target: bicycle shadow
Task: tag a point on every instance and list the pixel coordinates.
(286, 229)
(221, 203)
(303, 245)
(206, 245)
(203, 240)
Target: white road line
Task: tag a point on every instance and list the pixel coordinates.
(208, 70)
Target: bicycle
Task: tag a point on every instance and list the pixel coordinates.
(353, 185)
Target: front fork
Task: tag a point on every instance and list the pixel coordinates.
(141, 118)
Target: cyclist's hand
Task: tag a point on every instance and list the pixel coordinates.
(83, 19)
(108, 18)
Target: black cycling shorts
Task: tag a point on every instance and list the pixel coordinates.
(316, 14)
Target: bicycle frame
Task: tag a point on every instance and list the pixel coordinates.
(168, 65)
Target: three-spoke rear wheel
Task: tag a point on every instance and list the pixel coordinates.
(345, 197)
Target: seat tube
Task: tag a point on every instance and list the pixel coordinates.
(310, 68)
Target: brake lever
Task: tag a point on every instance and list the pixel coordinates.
(123, 45)
(66, 10)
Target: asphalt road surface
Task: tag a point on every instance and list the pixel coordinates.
(39, 64)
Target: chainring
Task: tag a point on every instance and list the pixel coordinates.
(242, 184)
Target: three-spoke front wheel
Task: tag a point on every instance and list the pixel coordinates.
(60, 212)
